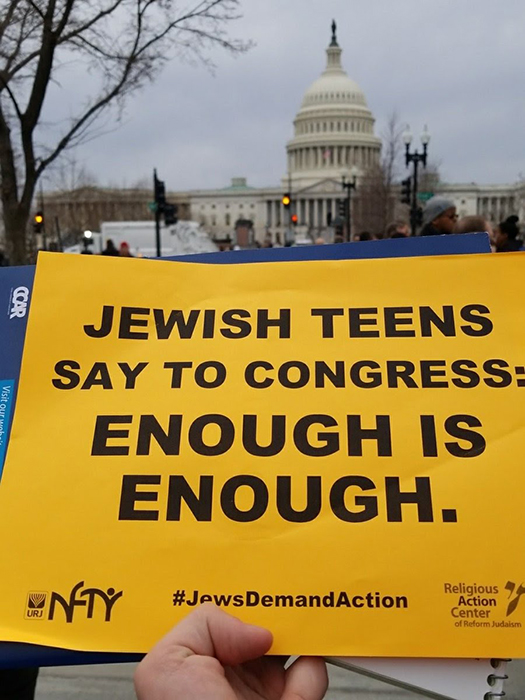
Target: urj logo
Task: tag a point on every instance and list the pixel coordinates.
(19, 299)
(517, 592)
(36, 602)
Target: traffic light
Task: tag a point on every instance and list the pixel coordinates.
(170, 214)
(406, 190)
(38, 224)
(295, 219)
(286, 200)
(342, 209)
(159, 192)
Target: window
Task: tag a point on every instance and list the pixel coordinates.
(213, 220)
(227, 220)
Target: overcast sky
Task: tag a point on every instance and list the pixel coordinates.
(455, 65)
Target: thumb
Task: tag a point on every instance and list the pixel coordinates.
(208, 631)
(306, 679)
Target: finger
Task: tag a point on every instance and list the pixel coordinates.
(306, 679)
(209, 631)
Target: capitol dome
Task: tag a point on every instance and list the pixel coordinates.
(334, 128)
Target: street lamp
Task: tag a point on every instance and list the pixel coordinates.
(416, 158)
(347, 206)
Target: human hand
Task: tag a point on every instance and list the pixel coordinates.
(211, 655)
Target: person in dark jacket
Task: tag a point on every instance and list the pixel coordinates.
(505, 236)
(439, 217)
(110, 248)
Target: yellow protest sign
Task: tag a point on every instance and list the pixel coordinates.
(330, 449)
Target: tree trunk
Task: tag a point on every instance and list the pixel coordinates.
(15, 222)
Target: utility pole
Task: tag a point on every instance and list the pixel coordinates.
(161, 207)
(43, 218)
(347, 204)
(416, 158)
(159, 192)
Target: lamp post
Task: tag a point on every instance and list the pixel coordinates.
(347, 188)
(416, 158)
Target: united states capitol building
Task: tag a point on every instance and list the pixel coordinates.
(333, 137)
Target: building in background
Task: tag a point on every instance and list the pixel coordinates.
(493, 202)
(333, 133)
(333, 136)
(74, 211)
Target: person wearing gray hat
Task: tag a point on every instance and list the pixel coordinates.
(439, 217)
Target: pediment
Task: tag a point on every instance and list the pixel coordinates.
(326, 186)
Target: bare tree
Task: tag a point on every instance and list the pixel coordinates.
(376, 197)
(70, 175)
(392, 150)
(122, 43)
(429, 178)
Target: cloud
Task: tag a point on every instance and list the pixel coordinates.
(452, 65)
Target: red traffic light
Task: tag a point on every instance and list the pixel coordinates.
(295, 218)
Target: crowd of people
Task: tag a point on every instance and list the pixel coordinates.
(440, 217)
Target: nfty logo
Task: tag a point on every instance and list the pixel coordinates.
(19, 299)
(36, 602)
(84, 598)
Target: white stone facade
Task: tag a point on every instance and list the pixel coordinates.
(494, 202)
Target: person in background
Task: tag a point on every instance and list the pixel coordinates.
(211, 655)
(319, 240)
(397, 229)
(506, 234)
(439, 217)
(124, 250)
(110, 248)
(363, 236)
(473, 224)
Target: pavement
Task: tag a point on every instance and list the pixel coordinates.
(115, 682)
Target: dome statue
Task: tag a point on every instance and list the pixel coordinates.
(334, 128)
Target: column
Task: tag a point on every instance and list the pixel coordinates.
(269, 214)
